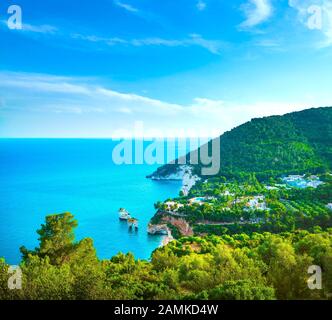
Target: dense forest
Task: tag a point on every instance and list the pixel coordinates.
(294, 143)
(258, 266)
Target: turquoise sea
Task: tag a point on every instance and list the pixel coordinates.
(45, 176)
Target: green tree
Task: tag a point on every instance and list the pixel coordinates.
(241, 290)
(56, 238)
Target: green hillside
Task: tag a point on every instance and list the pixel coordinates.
(299, 142)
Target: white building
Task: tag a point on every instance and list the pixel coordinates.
(198, 200)
(257, 203)
(302, 182)
(173, 206)
(227, 193)
(271, 188)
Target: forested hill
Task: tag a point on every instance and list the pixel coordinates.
(299, 142)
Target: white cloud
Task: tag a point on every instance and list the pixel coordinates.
(139, 104)
(232, 110)
(201, 5)
(213, 46)
(156, 42)
(93, 110)
(41, 83)
(93, 95)
(125, 6)
(39, 29)
(92, 38)
(268, 43)
(257, 12)
(33, 28)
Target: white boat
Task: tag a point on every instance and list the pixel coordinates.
(124, 214)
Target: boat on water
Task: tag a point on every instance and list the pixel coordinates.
(124, 214)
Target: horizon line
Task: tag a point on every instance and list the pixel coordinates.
(104, 138)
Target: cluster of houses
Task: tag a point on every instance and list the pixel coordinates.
(271, 188)
(256, 203)
(172, 206)
(228, 194)
(252, 203)
(246, 203)
(299, 181)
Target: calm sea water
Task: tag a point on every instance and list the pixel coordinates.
(45, 176)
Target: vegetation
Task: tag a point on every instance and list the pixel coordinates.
(290, 144)
(252, 206)
(259, 266)
(255, 235)
(227, 208)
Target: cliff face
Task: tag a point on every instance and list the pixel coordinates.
(182, 173)
(175, 172)
(181, 224)
(298, 142)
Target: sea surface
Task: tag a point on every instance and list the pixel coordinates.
(46, 176)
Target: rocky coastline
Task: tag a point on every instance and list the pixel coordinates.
(182, 173)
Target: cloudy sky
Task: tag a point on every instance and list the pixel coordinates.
(176, 67)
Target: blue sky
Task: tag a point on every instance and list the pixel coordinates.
(179, 67)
